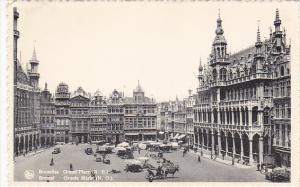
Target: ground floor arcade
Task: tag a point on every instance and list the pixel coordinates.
(26, 141)
(225, 143)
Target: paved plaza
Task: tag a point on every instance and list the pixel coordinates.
(190, 170)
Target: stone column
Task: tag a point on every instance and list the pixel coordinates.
(199, 138)
(280, 135)
(286, 136)
(195, 137)
(226, 144)
(233, 146)
(32, 143)
(212, 116)
(241, 117)
(261, 149)
(242, 148)
(207, 141)
(202, 139)
(212, 142)
(219, 143)
(232, 114)
(225, 113)
(250, 152)
(219, 120)
(250, 117)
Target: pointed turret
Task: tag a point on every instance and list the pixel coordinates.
(219, 49)
(33, 72)
(258, 42)
(277, 21)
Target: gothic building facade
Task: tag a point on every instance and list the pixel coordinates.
(26, 100)
(238, 96)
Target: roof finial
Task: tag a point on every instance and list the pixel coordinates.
(34, 53)
(46, 86)
(200, 66)
(258, 32)
(219, 30)
(277, 14)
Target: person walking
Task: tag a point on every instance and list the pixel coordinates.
(51, 162)
(258, 167)
(232, 161)
(199, 159)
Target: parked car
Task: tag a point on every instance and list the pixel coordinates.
(56, 150)
(279, 175)
(88, 151)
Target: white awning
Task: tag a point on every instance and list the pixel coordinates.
(149, 133)
(131, 134)
(181, 136)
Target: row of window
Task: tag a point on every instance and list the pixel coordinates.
(282, 110)
(47, 119)
(140, 122)
(48, 131)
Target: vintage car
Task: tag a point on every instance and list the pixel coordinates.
(56, 150)
(133, 168)
(89, 151)
(278, 175)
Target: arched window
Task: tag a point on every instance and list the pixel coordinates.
(282, 71)
(222, 54)
(246, 70)
(238, 72)
(230, 74)
(223, 75)
(215, 75)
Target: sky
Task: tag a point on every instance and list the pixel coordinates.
(109, 45)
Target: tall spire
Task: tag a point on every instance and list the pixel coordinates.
(277, 21)
(258, 33)
(34, 55)
(277, 15)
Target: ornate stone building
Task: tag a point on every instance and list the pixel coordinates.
(62, 114)
(79, 116)
(234, 109)
(98, 117)
(26, 100)
(48, 125)
(140, 117)
(189, 131)
(115, 122)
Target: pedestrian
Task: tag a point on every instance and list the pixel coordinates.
(258, 167)
(139, 150)
(223, 155)
(232, 161)
(199, 159)
(52, 162)
(261, 166)
(71, 167)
